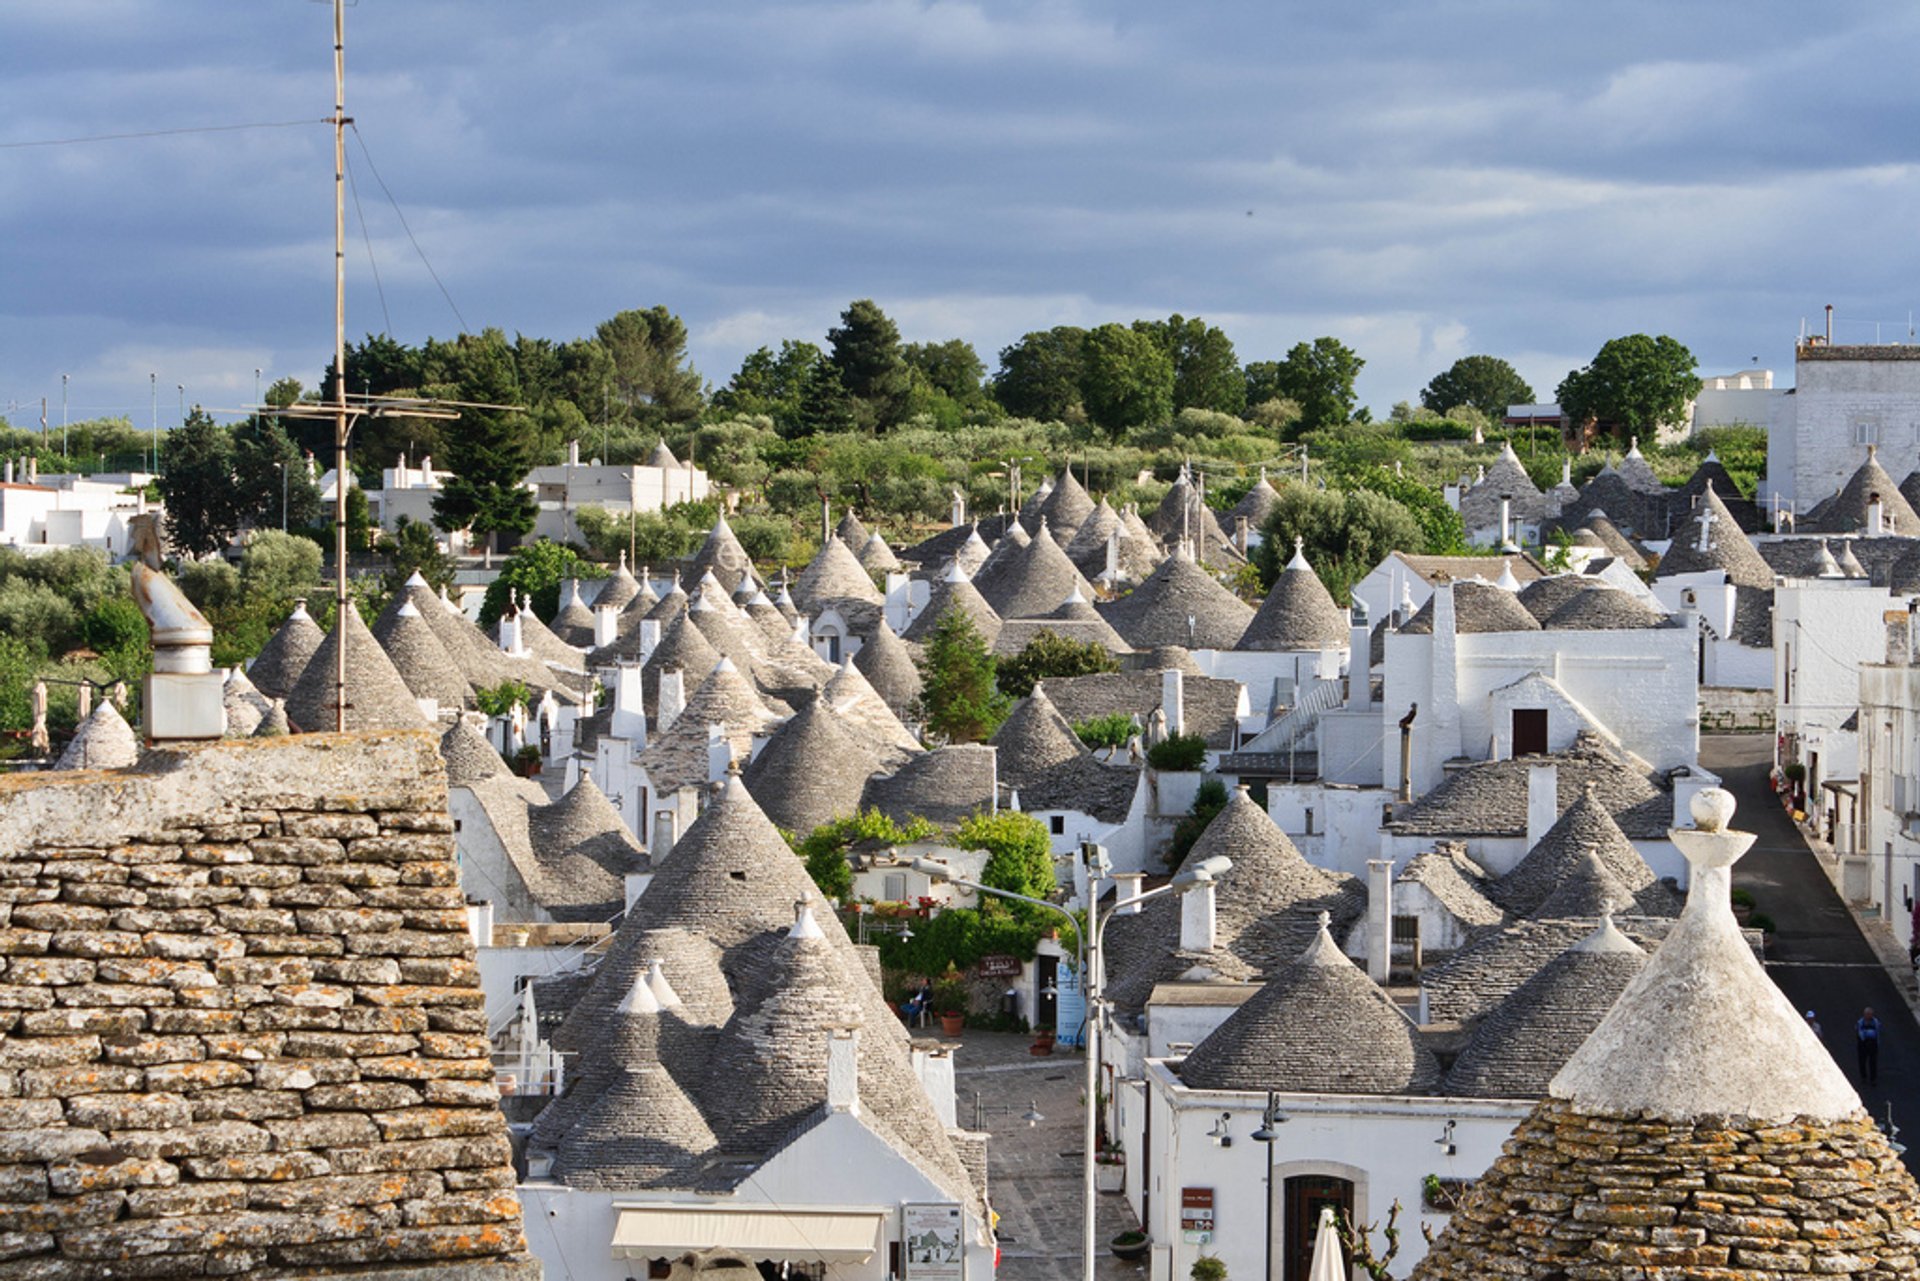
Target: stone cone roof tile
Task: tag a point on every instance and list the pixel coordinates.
(851, 532)
(1585, 830)
(636, 1128)
(1034, 739)
(244, 704)
(1298, 614)
(950, 594)
(1256, 505)
(811, 771)
(1543, 596)
(682, 648)
(1518, 1047)
(573, 624)
(1714, 1083)
(662, 456)
(376, 696)
(420, 659)
(1605, 609)
(720, 555)
(1156, 612)
(539, 640)
(677, 756)
(585, 848)
(1064, 509)
(866, 714)
(102, 741)
(1638, 474)
(888, 665)
(1477, 608)
(1589, 892)
(620, 588)
(469, 756)
(277, 668)
(834, 574)
(1609, 537)
(1029, 583)
(672, 603)
(1847, 510)
(1720, 546)
(1266, 911)
(876, 557)
(479, 660)
(1319, 1026)
(274, 723)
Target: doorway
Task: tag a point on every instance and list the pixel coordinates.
(1046, 991)
(1529, 731)
(1306, 1195)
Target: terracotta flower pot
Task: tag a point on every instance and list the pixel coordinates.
(951, 1021)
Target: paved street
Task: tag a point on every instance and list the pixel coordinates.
(1819, 956)
(1034, 1173)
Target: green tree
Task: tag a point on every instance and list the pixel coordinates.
(274, 489)
(825, 406)
(1206, 372)
(1208, 800)
(1488, 383)
(1040, 376)
(415, 548)
(535, 570)
(1127, 380)
(1318, 376)
(1345, 534)
(824, 850)
(953, 368)
(865, 350)
(1115, 729)
(279, 566)
(1049, 655)
(197, 485)
(1440, 525)
(489, 453)
(771, 384)
(1635, 385)
(648, 373)
(1019, 852)
(959, 700)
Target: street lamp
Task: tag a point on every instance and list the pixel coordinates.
(282, 468)
(1268, 1134)
(1205, 872)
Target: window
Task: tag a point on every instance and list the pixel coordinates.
(1309, 820)
(1866, 433)
(1058, 823)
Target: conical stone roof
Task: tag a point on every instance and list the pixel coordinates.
(1064, 509)
(1613, 542)
(1750, 1151)
(646, 598)
(1543, 596)
(277, 668)
(244, 704)
(722, 556)
(620, 588)
(811, 771)
(662, 456)
(1519, 1046)
(1605, 609)
(1319, 1026)
(889, 667)
(420, 659)
(469, 756)
(1718, 546)
(851, 532)
(876, 557)
(834, 574)
(376, 696)
(1034, 739)
(1298, 613)
(677, 756)
(1032, 582)
(1589, 892)
(682, 649)
(573, 622)
(866, 714)
(1477, 608)
(102, 741)
(1255, 505)
(1586, 829)
(951, 593)
(1847, 510)
(1156, 612)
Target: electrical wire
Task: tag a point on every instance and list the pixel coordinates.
(399, 213)
(367, 237)
(160, 133)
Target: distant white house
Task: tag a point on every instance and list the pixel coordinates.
(70, 510)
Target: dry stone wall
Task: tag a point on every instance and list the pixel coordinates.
(241, 1025)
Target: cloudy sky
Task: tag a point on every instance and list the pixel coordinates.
(1422, 180)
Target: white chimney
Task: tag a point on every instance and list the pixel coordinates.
(1876, 518)
(936, 1077)
(510, 632)
(637, 883)
(573, 453)
(606, 625)
(629, 709)
(1126, 885)
(1173, 697)
(1506, 520)
(671, 699)
(958, 514)
(843, 1069)
(1198, 931)
(719, 753)
(1112, 572)
(649, 637)
(480, 923)
(1543, 801)
(1379, 919)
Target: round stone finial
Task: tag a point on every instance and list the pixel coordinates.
(1712, 809)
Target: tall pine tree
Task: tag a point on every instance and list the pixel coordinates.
(489, 451)
(865, 349)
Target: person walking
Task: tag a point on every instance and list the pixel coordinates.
(1866, 1039)
(1813, 1022)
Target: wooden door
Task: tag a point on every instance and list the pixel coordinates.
(1306, 1194)
(1529, 731)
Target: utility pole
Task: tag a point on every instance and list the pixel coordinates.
(153, 390)
(341, 603)
(63, 415)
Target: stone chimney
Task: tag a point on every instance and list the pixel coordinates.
(843, 1069)
(1126, 885)
(1240, 534)
(1899, 637)
(719, 753)
(936, 1077)
(1506, 519)
(1543, 801)
(629, 709)
(1876, 517)
(1198, 925)
(671, 699)
(1112, 572)
(573, 453)
(606, 625)
(1173, 697)
(649, 637)
(1379, 918)
(958, 512)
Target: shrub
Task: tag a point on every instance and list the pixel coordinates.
(115, 624)
(1114, 730)
(1178, 752)
(824, 850)
(279, 565)
(1207, 804)
(1019, 852)
(498, 700)
(39, 615)
(1050, 655)
(1208, 1268)
(213, 583)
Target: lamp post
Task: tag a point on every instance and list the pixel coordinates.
(1205, 872)
(282, 468)
(1267, 1135)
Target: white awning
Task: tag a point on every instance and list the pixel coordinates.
(761, 1232)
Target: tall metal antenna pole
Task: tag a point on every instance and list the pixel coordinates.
(341, 603)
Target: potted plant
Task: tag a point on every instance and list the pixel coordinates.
(1110, 1169)
(1130, 1245)
(526, 761)
(1442, 1195)
(1208, 1268)
(950, 1000)
(1042, 1041)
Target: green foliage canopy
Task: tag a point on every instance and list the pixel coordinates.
(1487, 383)
(1048, 654)
(1634, 385)
(960, 702)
